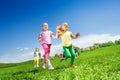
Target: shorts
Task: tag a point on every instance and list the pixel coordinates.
(46, 48)
(36, 60)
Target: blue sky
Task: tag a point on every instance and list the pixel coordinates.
(20, 21)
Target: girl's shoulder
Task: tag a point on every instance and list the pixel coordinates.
(41, 32)
(49, 31)
(46, 32)
(69, 31)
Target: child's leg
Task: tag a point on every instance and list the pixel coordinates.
(72, 54)
(48, 59)
(48, 56)
(35, 65)
(46, 48)
(44, 56)
(47, 53)
(66, 52)
(37, 62)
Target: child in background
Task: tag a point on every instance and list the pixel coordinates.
(45, 40)
(63, 57)
(37, 56)
(62, 31)
(76, 53)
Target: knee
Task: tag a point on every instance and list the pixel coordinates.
(68, 56)
(73, 55)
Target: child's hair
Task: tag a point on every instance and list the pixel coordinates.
(37, 48)
(65, 23)
(44, 24)
(59, 28)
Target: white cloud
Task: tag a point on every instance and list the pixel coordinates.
(86, 41)
(25, 48)
(26, 55)
(81, 42)
(89, 40)
(56, 49)
(21, 57)
(22, 49)
(7, 58)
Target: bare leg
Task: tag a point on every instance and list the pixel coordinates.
(50, 67)
(38, 63)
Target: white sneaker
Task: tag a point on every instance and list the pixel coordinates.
(50, 67)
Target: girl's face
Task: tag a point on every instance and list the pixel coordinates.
(45, 27)
(37, 49)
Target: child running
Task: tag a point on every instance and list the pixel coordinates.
(37, 56)
(45, 40)
(63, 57)
(62, 31)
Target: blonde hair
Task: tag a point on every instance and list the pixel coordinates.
(45, 23)
(65, 23)
(59, 28)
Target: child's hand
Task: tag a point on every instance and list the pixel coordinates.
(39, 39)
(78, 34)
(58, 33)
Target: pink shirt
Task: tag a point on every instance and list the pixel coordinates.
(46, 36)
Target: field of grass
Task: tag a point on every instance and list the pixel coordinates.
(99, 64)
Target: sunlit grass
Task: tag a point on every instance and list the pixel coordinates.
(99, 64)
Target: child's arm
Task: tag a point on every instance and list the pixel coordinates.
(34, 54)
(39, 54)
(58, 34)
(75, 36)
(39, 38)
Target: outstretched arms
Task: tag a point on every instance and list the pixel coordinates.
(75, 36)
(58, 34)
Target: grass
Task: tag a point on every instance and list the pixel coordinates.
(99, 64)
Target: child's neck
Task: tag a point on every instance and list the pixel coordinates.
(65, 31)
(45, 30)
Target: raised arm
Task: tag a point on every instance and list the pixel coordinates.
(75, 36)
(53, 36)
(58, 34)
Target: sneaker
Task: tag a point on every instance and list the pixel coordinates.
(63, 59)
(73, 65)
(43, 65)
(50, 67)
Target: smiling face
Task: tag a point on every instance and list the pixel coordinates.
(64, 27)
(45, 26)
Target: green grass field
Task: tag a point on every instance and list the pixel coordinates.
(99, 64)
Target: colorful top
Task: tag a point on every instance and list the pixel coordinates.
(37, 54)
(46, 36)
(66, 38)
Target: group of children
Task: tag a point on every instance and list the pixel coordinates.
(45, 40)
